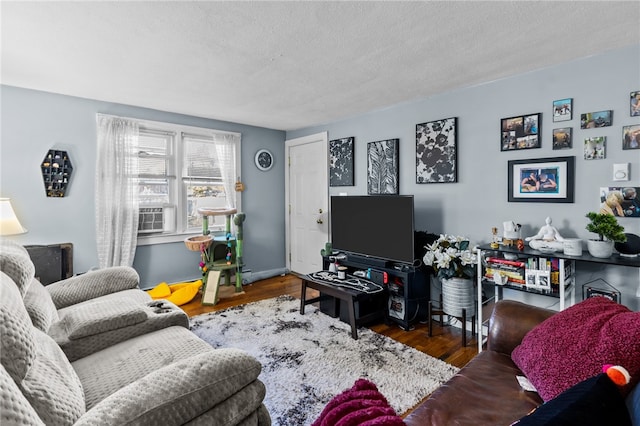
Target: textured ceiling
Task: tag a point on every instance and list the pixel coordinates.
(289, 65)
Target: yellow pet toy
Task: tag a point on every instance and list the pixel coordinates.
(178, 294)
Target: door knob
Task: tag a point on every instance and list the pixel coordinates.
(320, 221)
(320, 211)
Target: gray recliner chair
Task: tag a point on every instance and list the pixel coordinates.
(168, 376)
(88, 312)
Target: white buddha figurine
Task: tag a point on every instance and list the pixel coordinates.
(547, 238)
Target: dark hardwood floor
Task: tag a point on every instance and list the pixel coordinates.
(445, 344)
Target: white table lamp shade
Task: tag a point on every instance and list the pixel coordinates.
(9, 223)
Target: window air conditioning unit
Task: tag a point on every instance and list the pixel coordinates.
(154, 220)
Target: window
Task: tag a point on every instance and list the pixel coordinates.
(181, 169)
(157, 200)
(202, 180)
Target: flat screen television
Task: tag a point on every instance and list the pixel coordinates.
(378, 226)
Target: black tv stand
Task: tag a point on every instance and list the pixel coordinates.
(408, 288)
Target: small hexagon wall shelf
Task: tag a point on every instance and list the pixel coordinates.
(56, 172)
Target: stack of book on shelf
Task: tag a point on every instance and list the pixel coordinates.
(514, 270)
(534, 273)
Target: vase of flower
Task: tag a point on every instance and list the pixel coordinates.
(458, 294)
(454, 264)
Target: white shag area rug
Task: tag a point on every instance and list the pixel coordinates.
(308, 359)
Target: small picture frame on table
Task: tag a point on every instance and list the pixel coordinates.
(538, 280)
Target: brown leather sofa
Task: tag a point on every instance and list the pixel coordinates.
(485, 391)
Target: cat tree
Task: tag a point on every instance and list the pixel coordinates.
(222, 252)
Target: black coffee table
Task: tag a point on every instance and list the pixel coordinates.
(336, 293)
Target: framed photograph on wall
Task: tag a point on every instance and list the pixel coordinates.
(542, 180)
(634, 104)
(521, 132)
(631, 137)
(383, 167)
(622, 201)
(563, 110)
(594, 148)
(437, 151)
(591, 120)
(341, 162)
(562, 138)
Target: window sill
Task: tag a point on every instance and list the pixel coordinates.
(148, 240)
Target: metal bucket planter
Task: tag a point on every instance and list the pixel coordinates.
(458, 294)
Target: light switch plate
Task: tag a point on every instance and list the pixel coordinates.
(621, 171)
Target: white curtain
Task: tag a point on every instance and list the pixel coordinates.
(226, 151)
(116, 190)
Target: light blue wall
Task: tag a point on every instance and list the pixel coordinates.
(34, 122)
(478, 201)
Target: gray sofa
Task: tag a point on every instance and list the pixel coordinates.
(132, 368)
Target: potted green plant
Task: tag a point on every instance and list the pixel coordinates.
(608, 230)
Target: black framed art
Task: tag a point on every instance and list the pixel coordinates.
(437, 151)
(341, 162)
(595, 148)
(521, 132)
(563, 110)
(383, 167)
(541, 180)
(591, 120)
(631, 137)
(562, 138)
(634, 104)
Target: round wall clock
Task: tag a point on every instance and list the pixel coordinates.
(264, 160)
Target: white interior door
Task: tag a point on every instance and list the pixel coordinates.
(307, 198)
